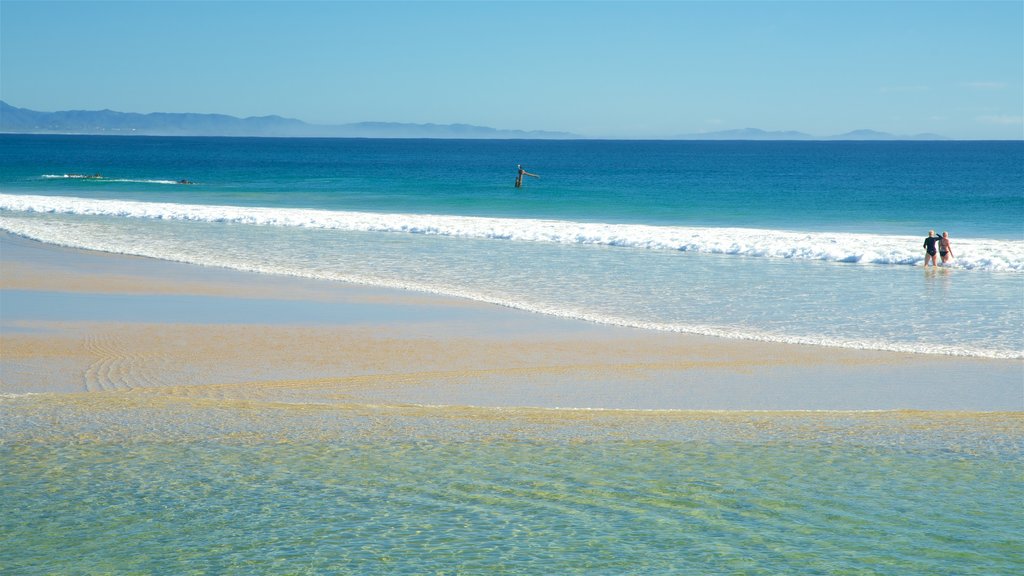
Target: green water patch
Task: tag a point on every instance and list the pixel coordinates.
(133, 483)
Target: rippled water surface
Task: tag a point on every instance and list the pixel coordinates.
(491, 491)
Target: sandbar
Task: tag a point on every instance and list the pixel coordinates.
(75, 322)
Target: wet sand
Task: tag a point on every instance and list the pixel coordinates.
(78, 322)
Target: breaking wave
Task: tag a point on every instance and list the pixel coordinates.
(971, 254)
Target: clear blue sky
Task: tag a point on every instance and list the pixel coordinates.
(602, 69)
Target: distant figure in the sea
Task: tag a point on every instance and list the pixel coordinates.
(519, 176)
(930, 249)
(184, 182)
(945, 249)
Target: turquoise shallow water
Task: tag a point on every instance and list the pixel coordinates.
(628, 507)
(122, 483)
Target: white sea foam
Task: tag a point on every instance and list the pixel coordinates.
(971, 254)
(44, 230)
(43, 234)
(142, 181)
(105, 179)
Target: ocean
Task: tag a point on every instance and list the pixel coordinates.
(818, 243)
(804, 242)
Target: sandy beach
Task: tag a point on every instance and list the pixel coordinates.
(73, 321)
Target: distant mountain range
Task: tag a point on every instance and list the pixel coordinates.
(25, 121)
(757, 134)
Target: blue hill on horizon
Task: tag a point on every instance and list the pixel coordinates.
(758, 134)
(25, 121)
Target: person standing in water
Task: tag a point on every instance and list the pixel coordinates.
(929, 248)
(945, 249)
(519, 176)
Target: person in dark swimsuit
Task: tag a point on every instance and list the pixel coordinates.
(945, 249)
(519, 176)
(929, 248)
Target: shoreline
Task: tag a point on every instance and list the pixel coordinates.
(78, 321)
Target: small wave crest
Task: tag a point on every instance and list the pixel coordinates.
(971, 254)
(142, 181)
(105, 179)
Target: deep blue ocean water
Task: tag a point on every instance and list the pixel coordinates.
(809, 242)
